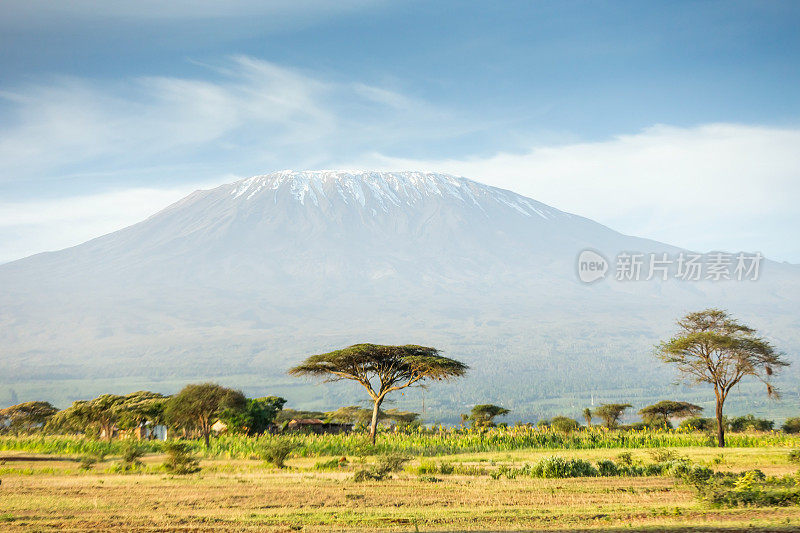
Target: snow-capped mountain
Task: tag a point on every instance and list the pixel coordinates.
(246, 278)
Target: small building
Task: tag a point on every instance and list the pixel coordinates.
(315, 425)
(219, 427)
(148, 431)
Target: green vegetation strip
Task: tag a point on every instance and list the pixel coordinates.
(445, 442)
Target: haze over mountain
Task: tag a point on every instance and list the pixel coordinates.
(239, 282)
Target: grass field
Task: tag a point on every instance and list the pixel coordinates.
(51, 492)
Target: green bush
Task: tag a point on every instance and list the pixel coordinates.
(470, 470)
(131, 455)
(180, 460)
(625, 458)
(750, 423)
(662, 456)
(87, 462)
(385, 465)
(792, 425)
(558, 467)
(751, 488)
(367, 474)
(794, 456)
(425, 467)
(277, 452)
(699, 424)
(607, 468)
(332, 464)
(392, 462)
(564, 424)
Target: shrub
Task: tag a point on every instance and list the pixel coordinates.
(180, 459)
(366, 474)
(87, 462)
(385, 465)
(700, 424)
(794, 456)
(564, 424)
(429, 479)
(470, 470)
(663, 456)
(751, 488)
(277, 452)
(606, 467)
(694, 474)
(392, 462)
(558, 467)
(333, 464)
(131, 455)
(426, 467)
(792, 425)
(750, 423)
(625, 458)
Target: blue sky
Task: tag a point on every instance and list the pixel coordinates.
(656, 118)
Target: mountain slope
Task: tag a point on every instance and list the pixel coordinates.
(250, 276)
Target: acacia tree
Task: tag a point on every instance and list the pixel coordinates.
(712, 347)
(102, 413)
(483, 415)
(256, 416)
(28, 415)
(610, 413)
(198, 405)
(660, 413)
(381, 370)
(140, 407)
(587, 415)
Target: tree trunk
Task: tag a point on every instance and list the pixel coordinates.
(108, 429)
(373, 427)
(720, 424)
(205, 429)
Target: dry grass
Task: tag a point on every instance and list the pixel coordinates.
(248, 496)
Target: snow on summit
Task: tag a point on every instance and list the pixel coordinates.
(382, 189)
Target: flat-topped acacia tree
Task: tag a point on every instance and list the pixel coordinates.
(712, 347)
(381, 369)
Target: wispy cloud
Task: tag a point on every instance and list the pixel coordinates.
(246, 113)
(727, 186)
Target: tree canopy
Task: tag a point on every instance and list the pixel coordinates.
(712, 347)
(100, 414)
(660, 413)
(588, 415)
(255, 417)
(611, 413)
(564, 424)
(28, 415)
(109, 412)
(198, 406)
(483, 415)
(381, 369)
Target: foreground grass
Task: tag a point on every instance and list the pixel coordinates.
(246, 495)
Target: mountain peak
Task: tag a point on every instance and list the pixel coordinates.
(383, 190)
